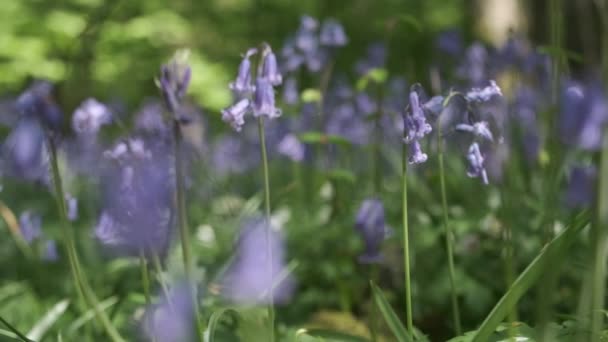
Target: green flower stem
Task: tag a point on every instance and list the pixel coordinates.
(145, 277)
(84, 290)
(182, 223)
(600, 248)
(448, 238)
(267, 216)
(406, 246)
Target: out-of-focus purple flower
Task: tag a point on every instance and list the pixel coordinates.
(25, 155)
(449, 42)
(251, 277)
(137, 197)
(37, 101)
(371, 225)
(584, 115)
(173, 318)
(416, 155)
(235, 114)
(30, 225)
(290, 91)
(90, 116)
(365, 104)
(270, 69)
(476, 164)
(232, 154)
(474, 67)
(242, 85)
(479, 129)
(263, 102)
(72, 207)
(50, 253)
(149, 119)
(375, 58)
(525, 107)
(306, 37)
(332, 33)
(345, 122)
(484, 94)
(434, 106)
(174, 81)
(291, 147)
(581, 186)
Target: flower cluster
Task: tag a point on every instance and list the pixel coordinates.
(370, 224)
(258, 98)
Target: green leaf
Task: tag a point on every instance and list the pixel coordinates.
(342, 175)
(376, 75)
(48, 320)
(89, 314)
(322, 138)
(330, 335)
(311, 95)
(390, 316)
(215, 320)
(412, 22)
(557, 52)
(547, 257)
(15, 331)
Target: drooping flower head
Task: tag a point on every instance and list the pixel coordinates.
(332, 33)
(242, 85)
(270, 69)
(235, 114)
(291, 147)
(584, 114)
(581, 186)
(476, 164)
(173, 318)
(24, 153)
(415, 126)
(90, 116)
(174, 80)
(370, 223)
(264, 100)
(37, 101)
(253, 273)
(484, 94)
(30, 224)
(137, 213)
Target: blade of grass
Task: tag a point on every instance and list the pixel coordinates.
(43, 325)
(389, 315)
(330, 335)
(14, 330)
(530, 275)
(90, 314)
(215, 320)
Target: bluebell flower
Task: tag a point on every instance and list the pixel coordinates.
(263, 101)
(416, 156)
(479, 129)
(270, 69)
(370, 223)
(449, 42)
(584, 114)
(306, 38)
(72, 208)
(251, 276)
(90, 116)
(173, 318)
(415, 123)
(365, 104)
(242, 85)
(235, 114)
(232, 154)
(290, 91)
(50, 253)
(476, 163)
(30, 225)
(25, 155)
(332, 33)
(291, 147)
(375, 58)
(37, 101)
(174, 81)
(475, 64)
(149, 119)
(581, 186)
(137, 200)
(345, 122)
(484, 94)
